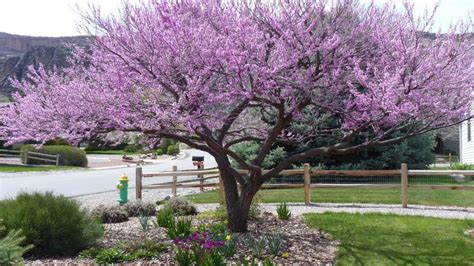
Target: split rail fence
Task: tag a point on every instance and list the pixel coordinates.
(29, 155)
(307, 179)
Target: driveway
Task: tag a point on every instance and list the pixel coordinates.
(75, 183)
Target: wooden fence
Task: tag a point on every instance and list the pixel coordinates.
(42, 157)
(49, 158)
(213, 174)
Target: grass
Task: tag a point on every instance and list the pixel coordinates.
(30, 168)
(383, 239)
(461, 198)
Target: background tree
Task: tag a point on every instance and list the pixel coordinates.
(212, 74)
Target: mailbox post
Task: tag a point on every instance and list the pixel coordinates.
(199, 162)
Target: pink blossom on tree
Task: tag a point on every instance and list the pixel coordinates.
(213, 74)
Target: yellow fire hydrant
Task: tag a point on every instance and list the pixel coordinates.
(122, 186)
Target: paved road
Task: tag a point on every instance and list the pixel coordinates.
(74, 183)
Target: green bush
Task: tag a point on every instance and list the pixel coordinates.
(110, 214)
(173, 149)
(461, 166)
(68, 155)
(133, 148)
(159, 152)
(11, 251)
(165, 143)
(57, 141)
(54, 225)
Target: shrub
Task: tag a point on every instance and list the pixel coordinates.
(283, 211)
(461, 166)
(181, 206)
(165, 143)
(54, 225)
(68, 155)
(11, 251)
(57, 141)
(133, 148)
(159, 152)
(173, 149)
(138, 207)
(110, 214)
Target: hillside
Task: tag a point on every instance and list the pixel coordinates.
(18, 52)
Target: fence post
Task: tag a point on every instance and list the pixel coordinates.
(201, 178)
(404, 185)
(221, 189)
(138, 182)
(57, 159)
(26, 157)
(307, 184)
(174, 185)
(450, 161)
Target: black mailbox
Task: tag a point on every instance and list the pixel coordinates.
(198, 158)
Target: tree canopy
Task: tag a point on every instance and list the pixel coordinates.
(216, 73)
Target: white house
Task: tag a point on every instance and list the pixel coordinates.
(466, 142)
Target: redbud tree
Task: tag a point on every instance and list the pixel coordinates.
(213, 74)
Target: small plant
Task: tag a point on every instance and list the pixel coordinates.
(11, 251)
(199, 249)
(181, 206)
(229, 248)
(255, 209)
(283, 211)
(219, 213)
(218, 230)
(274, 243)
(148, 245)
(137, 207)
(112, 255)
(184, 257)
(143, 219)
(179, 229)
(110, 214)
(257, 245)
(146, 250)
(165, 218)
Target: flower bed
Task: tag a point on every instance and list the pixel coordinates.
(270, 240)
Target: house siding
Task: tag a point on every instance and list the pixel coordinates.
(466, 147)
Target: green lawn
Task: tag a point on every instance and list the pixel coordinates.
(462, 198)
(29, 168)
(382, 239)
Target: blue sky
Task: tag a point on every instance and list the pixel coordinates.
(59, 17)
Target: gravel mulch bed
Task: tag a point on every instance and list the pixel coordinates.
(305, 245)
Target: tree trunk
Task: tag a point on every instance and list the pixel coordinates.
(238, 204)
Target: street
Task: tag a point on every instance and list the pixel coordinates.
(75, 183)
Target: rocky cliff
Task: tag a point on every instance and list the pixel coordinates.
(18, 52)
